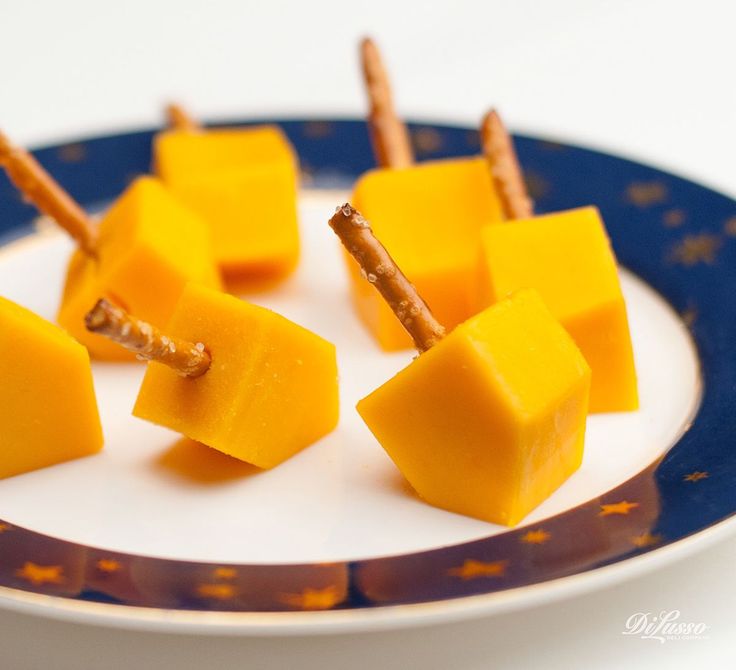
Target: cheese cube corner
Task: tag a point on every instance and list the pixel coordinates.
(567, 258)
(270, 391)
(243, 183)
(429, 217)
(491, 420)
(48, 409)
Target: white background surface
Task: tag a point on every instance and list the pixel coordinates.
(650, 79)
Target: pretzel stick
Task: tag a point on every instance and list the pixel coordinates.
(39, 187)
(380, 270)
(178, 119)
(147, 341)
(389, 136)
(498, 148)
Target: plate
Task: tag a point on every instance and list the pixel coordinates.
(157, 532)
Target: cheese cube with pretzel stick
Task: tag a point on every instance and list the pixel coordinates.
(489, 419)
(567, 257)
(428, 215)
(234, 376)
(144, 251)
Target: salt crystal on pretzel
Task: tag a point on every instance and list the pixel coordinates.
(146, 341)
(380, 270)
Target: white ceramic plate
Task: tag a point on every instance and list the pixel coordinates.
(334, 507)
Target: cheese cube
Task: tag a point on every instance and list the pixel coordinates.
(567, 258)
(48, 410)
(270, 391)
(243, 182)
(149, 247)
(491, 420)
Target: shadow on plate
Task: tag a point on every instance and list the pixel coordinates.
(199, 464)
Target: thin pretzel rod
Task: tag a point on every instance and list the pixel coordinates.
(498, 148)
(40, 188)
(179, 119)
(380, 270)
(389, 135)
(147, 341)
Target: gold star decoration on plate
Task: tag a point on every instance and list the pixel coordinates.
(216, 591)
(225, 573)
(538, 536)
(313, 599)
(426, 140)
(646, 193)
(72, 153)
(318, 129)
(645, 540)
(695, 476)
(472, 139)
(549, 145)
(674, 218)
(472, 569)
(4, 527)
(108, 565)
(689, 316)
(41, 574)
(536, 185)
(623, 507)
(694, 249)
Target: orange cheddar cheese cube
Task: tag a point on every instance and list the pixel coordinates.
(48, 410)
(271, 388)
(243, 182)
(491, 420)
(149, 247)
(429, 217)
(567, 257)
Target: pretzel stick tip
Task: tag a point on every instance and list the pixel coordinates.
(380, 270)
(498, 148)
(147, 341)
(179, 119)
(39, 188)
(389, 134)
